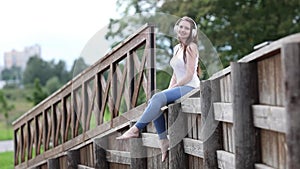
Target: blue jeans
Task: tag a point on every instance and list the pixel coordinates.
(153, 112)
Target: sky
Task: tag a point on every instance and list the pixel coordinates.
(63, 28)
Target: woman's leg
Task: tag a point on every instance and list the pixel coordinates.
(153, 112)
(171, 95)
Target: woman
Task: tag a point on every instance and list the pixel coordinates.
(184, 79)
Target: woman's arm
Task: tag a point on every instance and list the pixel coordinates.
(191, 59)
(172, 81)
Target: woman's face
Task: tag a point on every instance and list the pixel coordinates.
(184, 30)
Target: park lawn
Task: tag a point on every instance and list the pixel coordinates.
(17, 98)
(7, 160)
(6, 132)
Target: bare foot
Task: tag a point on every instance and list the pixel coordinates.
(133, 132)
(164, 145)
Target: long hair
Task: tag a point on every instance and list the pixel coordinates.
(191, 38)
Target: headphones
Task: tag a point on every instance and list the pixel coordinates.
(194, 30)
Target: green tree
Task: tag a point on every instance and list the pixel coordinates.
(53, 84)
(13, 73)
(38, 94)
(5, 108)
(78, 66)
(60, 71)
(37, 68)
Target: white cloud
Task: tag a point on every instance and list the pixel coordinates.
(61, 27)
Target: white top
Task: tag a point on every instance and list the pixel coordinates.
(179, 67)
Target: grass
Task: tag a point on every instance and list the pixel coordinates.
(7, 160)
(6, 132)
(17, 98)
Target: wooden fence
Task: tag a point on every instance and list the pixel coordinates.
(75, 114)
(245, 116)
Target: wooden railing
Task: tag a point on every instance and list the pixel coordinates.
(75, 113)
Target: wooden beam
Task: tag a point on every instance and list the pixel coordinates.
(191, 105)
(245, 94)
(120, 157)
(226, 160)
(193, 147)
(211, 128)
(291, 64)
(269, 117)
(223, 112)
(73, 158)
(262, 166)
(53, 163)
(100, 147)
(177, 131)
(138, 153)
(84, 167)
(150, 140)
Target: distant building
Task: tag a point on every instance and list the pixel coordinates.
(20, 58)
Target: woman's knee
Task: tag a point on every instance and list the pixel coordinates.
(159, 97)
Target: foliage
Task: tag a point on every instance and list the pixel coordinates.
(13, 73)
(5, 108)
(38, 93)
(43, 70)
(48, 75)
(52, 85)
(78, 66)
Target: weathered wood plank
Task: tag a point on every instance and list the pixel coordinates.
(193, 147)
(137, 152)
(282, 151)
(211, 128)
(150, 140)
(266, 81)
(262, 166)
(280, 97)
(230, 136)
(226, 160)
(191, 105)
(291, 64)
(177, 131)
(221, 73)
(73, 158)
(84, 167)
(269, 150)
(223, 112)
(121, 157)
(269, 117)
(53, 163)
(100, 147)
(225, 136)
(245, 93)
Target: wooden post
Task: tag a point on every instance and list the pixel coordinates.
(73, 159)
(291, 65)
(177, 131)
(245, 94)
(137, 152)
(53, 163)
(151, 63)
(211, 134)
(100, 147)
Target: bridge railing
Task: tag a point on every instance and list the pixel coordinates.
(88, 104)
